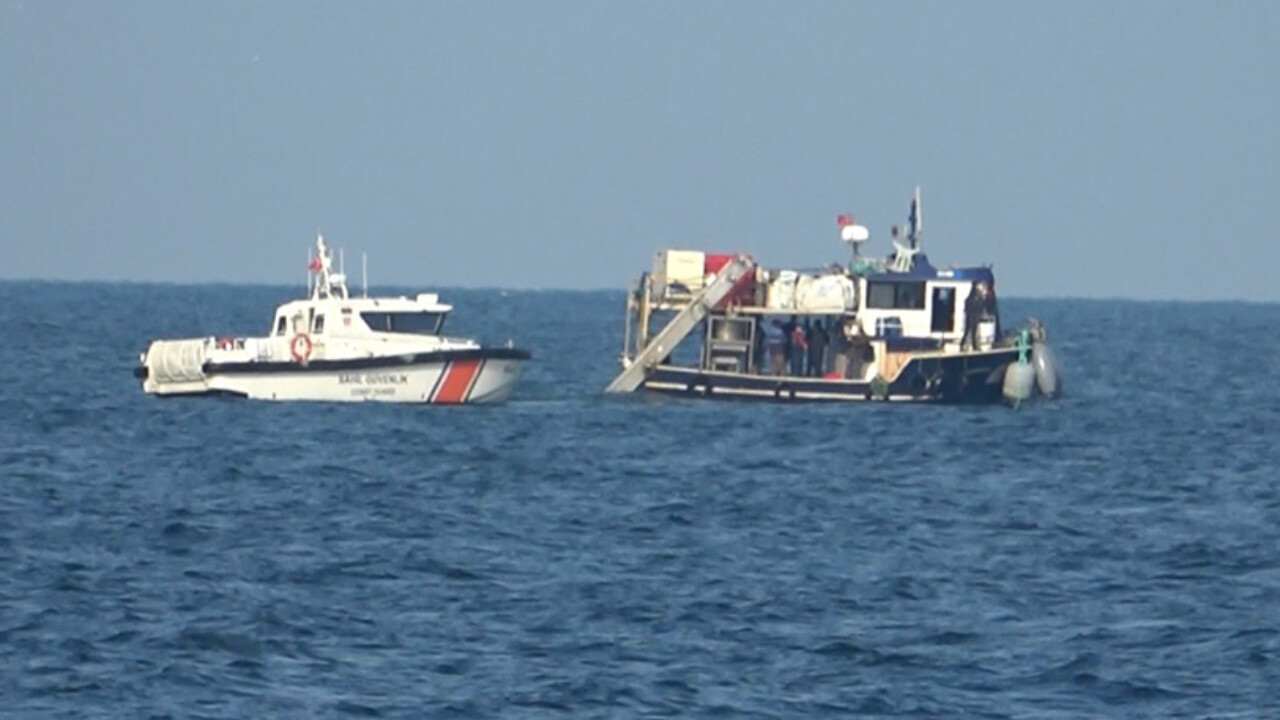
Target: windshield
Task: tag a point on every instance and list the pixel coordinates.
(417, 323)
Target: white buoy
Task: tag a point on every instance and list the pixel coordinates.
(1048, 377)
(1019, 381)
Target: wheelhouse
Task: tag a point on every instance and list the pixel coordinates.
(341, 316)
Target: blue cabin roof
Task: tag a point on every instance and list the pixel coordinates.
(922, 269)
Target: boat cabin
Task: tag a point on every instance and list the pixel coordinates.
(421, 315)
(890, 314)
(330, 310)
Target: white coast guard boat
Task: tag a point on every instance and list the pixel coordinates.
(331, 346)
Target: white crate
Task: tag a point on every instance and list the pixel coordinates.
(678, 273)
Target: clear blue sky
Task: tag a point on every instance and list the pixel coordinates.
(1087, 149)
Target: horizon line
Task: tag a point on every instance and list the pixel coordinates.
(599, 289)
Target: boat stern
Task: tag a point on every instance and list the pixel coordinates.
(174, 367)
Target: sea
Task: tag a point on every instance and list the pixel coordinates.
(1114, 553)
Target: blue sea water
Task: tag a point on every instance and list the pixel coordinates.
(569, 555)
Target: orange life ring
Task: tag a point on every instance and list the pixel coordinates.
(300, 347)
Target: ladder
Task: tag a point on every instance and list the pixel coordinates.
(682, 324)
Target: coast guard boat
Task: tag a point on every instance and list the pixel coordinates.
(331, 346)
(894, 329)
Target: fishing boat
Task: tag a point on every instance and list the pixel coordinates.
(331, 346)
(893, 328)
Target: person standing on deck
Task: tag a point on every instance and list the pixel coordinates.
(759, 354)
(788, 328)
(974, 305)
(839, 349)
(775, 344)
(817, 349)
(858, 350)
(990, 307)
(799, 349)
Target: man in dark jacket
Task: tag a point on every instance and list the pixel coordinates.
(972, 313)
(817, 340)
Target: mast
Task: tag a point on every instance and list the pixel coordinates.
(916, 221)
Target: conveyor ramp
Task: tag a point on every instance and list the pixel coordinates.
(682, 324)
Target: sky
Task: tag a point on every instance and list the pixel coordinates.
(1085, 149)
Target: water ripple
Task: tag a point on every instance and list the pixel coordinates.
(569, 555)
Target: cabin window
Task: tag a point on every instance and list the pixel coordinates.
(317, 326)
(282, 325)
(944, 310)
(417, 323)
(888, 295)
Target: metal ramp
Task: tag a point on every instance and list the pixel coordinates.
(681, 325)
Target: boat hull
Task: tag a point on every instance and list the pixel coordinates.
(957, 378)
(454, 377)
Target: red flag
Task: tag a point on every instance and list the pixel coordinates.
(844, 220)
(314, 264)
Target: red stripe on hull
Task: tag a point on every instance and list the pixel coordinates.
(457, 381)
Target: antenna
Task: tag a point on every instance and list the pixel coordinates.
(916, 219)
(364, 272)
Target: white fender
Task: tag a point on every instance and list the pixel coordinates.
(1019, 381)
(1048, 377)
